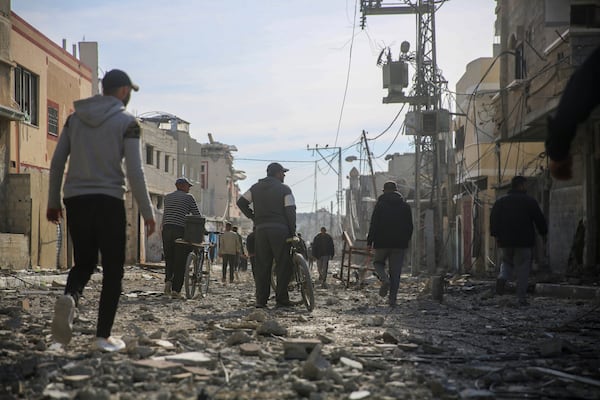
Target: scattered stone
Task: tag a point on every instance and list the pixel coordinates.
(551, 347)
(376, 320)
(271, 327)
(299, 348)
(316, 366)
(304, 387)
(192, 358)
(249, 349)
(238, 337)
(361, 394)
(476, 394)
(351, 363)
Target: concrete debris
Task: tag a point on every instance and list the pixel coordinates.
(472, 345)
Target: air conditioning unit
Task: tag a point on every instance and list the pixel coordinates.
(427, 122)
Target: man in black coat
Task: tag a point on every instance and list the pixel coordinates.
(323, 251)
(389, 233)
(512, 223)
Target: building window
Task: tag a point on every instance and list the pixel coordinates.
(149, 154)
(204, 174)
(585, 15)
(52, 118)
(27, 94)
(158, 159)
(166, 163)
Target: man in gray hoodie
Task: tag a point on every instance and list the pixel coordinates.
(96, 138)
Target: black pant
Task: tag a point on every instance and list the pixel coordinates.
(270, 245)
(97, 223)
(175, 255)
(231, 260)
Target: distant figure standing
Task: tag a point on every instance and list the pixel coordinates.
(323, 251)
(241, 261)
(178, 205)
(95, 139)
(512, 223)
(229, 249)
(580, 97)
(274, 214)
(390, 231)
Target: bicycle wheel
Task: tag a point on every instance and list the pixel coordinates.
(204, 276)
(190, 277)
(304, 281)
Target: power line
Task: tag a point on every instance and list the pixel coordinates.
(337, 134)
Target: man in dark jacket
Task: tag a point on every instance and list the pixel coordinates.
(389, 233)
(512, 222)
(323, 251)
(274, 216)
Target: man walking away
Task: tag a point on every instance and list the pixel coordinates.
(390, 231)
(178, 205)
(323, 251)
(229, 250)
(274, 216)
(513, 220)
(95, 139)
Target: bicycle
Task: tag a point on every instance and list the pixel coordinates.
(197, 268)
(302, 281)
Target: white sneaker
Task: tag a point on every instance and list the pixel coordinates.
(62, 323)
(110, 344)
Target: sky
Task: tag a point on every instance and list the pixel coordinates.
(271, 77)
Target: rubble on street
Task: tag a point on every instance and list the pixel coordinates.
(471, 345)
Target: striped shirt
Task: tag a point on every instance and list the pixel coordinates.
(178, 204)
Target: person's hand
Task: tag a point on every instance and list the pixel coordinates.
(150, 226)
(562, 170)
(54, 215)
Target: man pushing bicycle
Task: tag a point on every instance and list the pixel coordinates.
(274, 217)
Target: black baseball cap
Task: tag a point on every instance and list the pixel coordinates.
(274, 168)
(390, 186)
(116, 78)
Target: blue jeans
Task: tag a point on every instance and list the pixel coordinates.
(395, 259)
(516, 261)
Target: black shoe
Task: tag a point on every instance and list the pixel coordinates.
(257, 305)
(500, 284)
(284, 304)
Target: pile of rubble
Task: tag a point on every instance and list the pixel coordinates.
(472, 345)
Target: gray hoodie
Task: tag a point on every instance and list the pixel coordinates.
(96, 138)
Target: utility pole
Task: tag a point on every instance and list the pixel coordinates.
(424, 120)
(338, 171)
(364, 138)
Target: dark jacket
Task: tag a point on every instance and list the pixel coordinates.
(322, 245)
(273, 205)
(391, 223)
(513, 218)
